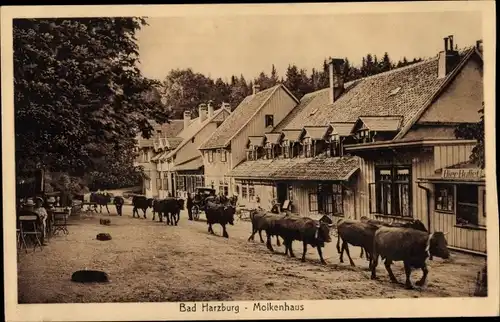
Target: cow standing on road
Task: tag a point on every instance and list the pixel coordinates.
(356, 233)
(409, 245)
(261, 220)
(415, 224)
(172, 210)
(311, 232)
(141, 202)
(218, 213)
(101, 199)
(119, 201)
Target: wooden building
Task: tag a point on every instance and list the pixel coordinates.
(226, 147)
(365, 148)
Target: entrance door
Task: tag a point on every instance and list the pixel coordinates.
(282, 192)
(325, 199)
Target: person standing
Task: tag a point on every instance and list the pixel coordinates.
(189, 205)
(42, 213)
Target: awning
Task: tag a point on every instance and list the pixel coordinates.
(382, 123)
(193, 164)
(303, 169)
(342, 129)
(316, 132)
(292, 135)
(256, 140)
(273, 138)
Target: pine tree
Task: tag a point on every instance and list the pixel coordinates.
(386, 64)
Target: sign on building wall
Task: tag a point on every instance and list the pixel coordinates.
(473, 173)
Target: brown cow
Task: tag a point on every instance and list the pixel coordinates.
(311, 232)
(409, 245)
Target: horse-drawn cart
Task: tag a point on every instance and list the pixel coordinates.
(201, 193)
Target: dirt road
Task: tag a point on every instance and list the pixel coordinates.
(151, 262)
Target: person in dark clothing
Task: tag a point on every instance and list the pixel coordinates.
(189, 205)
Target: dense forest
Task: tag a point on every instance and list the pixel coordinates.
(184, 89)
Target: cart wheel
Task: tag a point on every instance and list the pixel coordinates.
(196, 212)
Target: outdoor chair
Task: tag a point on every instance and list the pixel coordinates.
(30, 227)
(60, 220)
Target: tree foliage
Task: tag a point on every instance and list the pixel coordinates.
(474, 131)
(80, 99)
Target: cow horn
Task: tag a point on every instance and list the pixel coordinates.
(330, 225)
(446, 233)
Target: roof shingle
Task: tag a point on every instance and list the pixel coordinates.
(318, 168)
(374, 95)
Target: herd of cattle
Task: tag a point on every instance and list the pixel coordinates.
(408, 242)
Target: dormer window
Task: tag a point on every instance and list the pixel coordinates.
(286, 149)
(269, 120)
(308, 147)
(252, 153)
(223, 155)
(269, 150)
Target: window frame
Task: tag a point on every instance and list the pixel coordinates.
(377, 196)
(437, 189)
(223, 155)
(210, 156)
(340, 193)
(158, 180)
(269, 120)
(477, 224)
(315, 195)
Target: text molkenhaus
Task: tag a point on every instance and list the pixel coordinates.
(358, 149)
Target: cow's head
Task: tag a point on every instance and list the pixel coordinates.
(150, 202)
(438, 246)
(180, 202)
(229, 212)
(323, 232)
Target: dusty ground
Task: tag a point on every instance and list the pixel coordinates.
(150, 262)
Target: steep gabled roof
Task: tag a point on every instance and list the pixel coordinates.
(194, 128)
(240, 117)
(399, 92)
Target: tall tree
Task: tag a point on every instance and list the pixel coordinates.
(293, 80)
(474, 131)
(274, 76)
(80, 98)
(386, 64)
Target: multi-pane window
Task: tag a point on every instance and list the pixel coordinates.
(181, 184)
(210, 156)
(199, 181)
(307, 147)
(338, 200)
(158, 180)
(223, 155)
(390, 194)
(445, 200)
(251, 191)
(286, 149)
(252, 153)
(223, 188)
(269, 151)
(313, 202)
(244, 192)
(165, 181)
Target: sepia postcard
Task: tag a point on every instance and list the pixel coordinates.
(249, 161)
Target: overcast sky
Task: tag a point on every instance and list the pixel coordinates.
(223, 46)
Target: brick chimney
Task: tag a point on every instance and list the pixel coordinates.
(210, 109)
(448, 59)
(187, 118)
(479, 45)
(255, 89)
(336, 79)
(202, 112)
